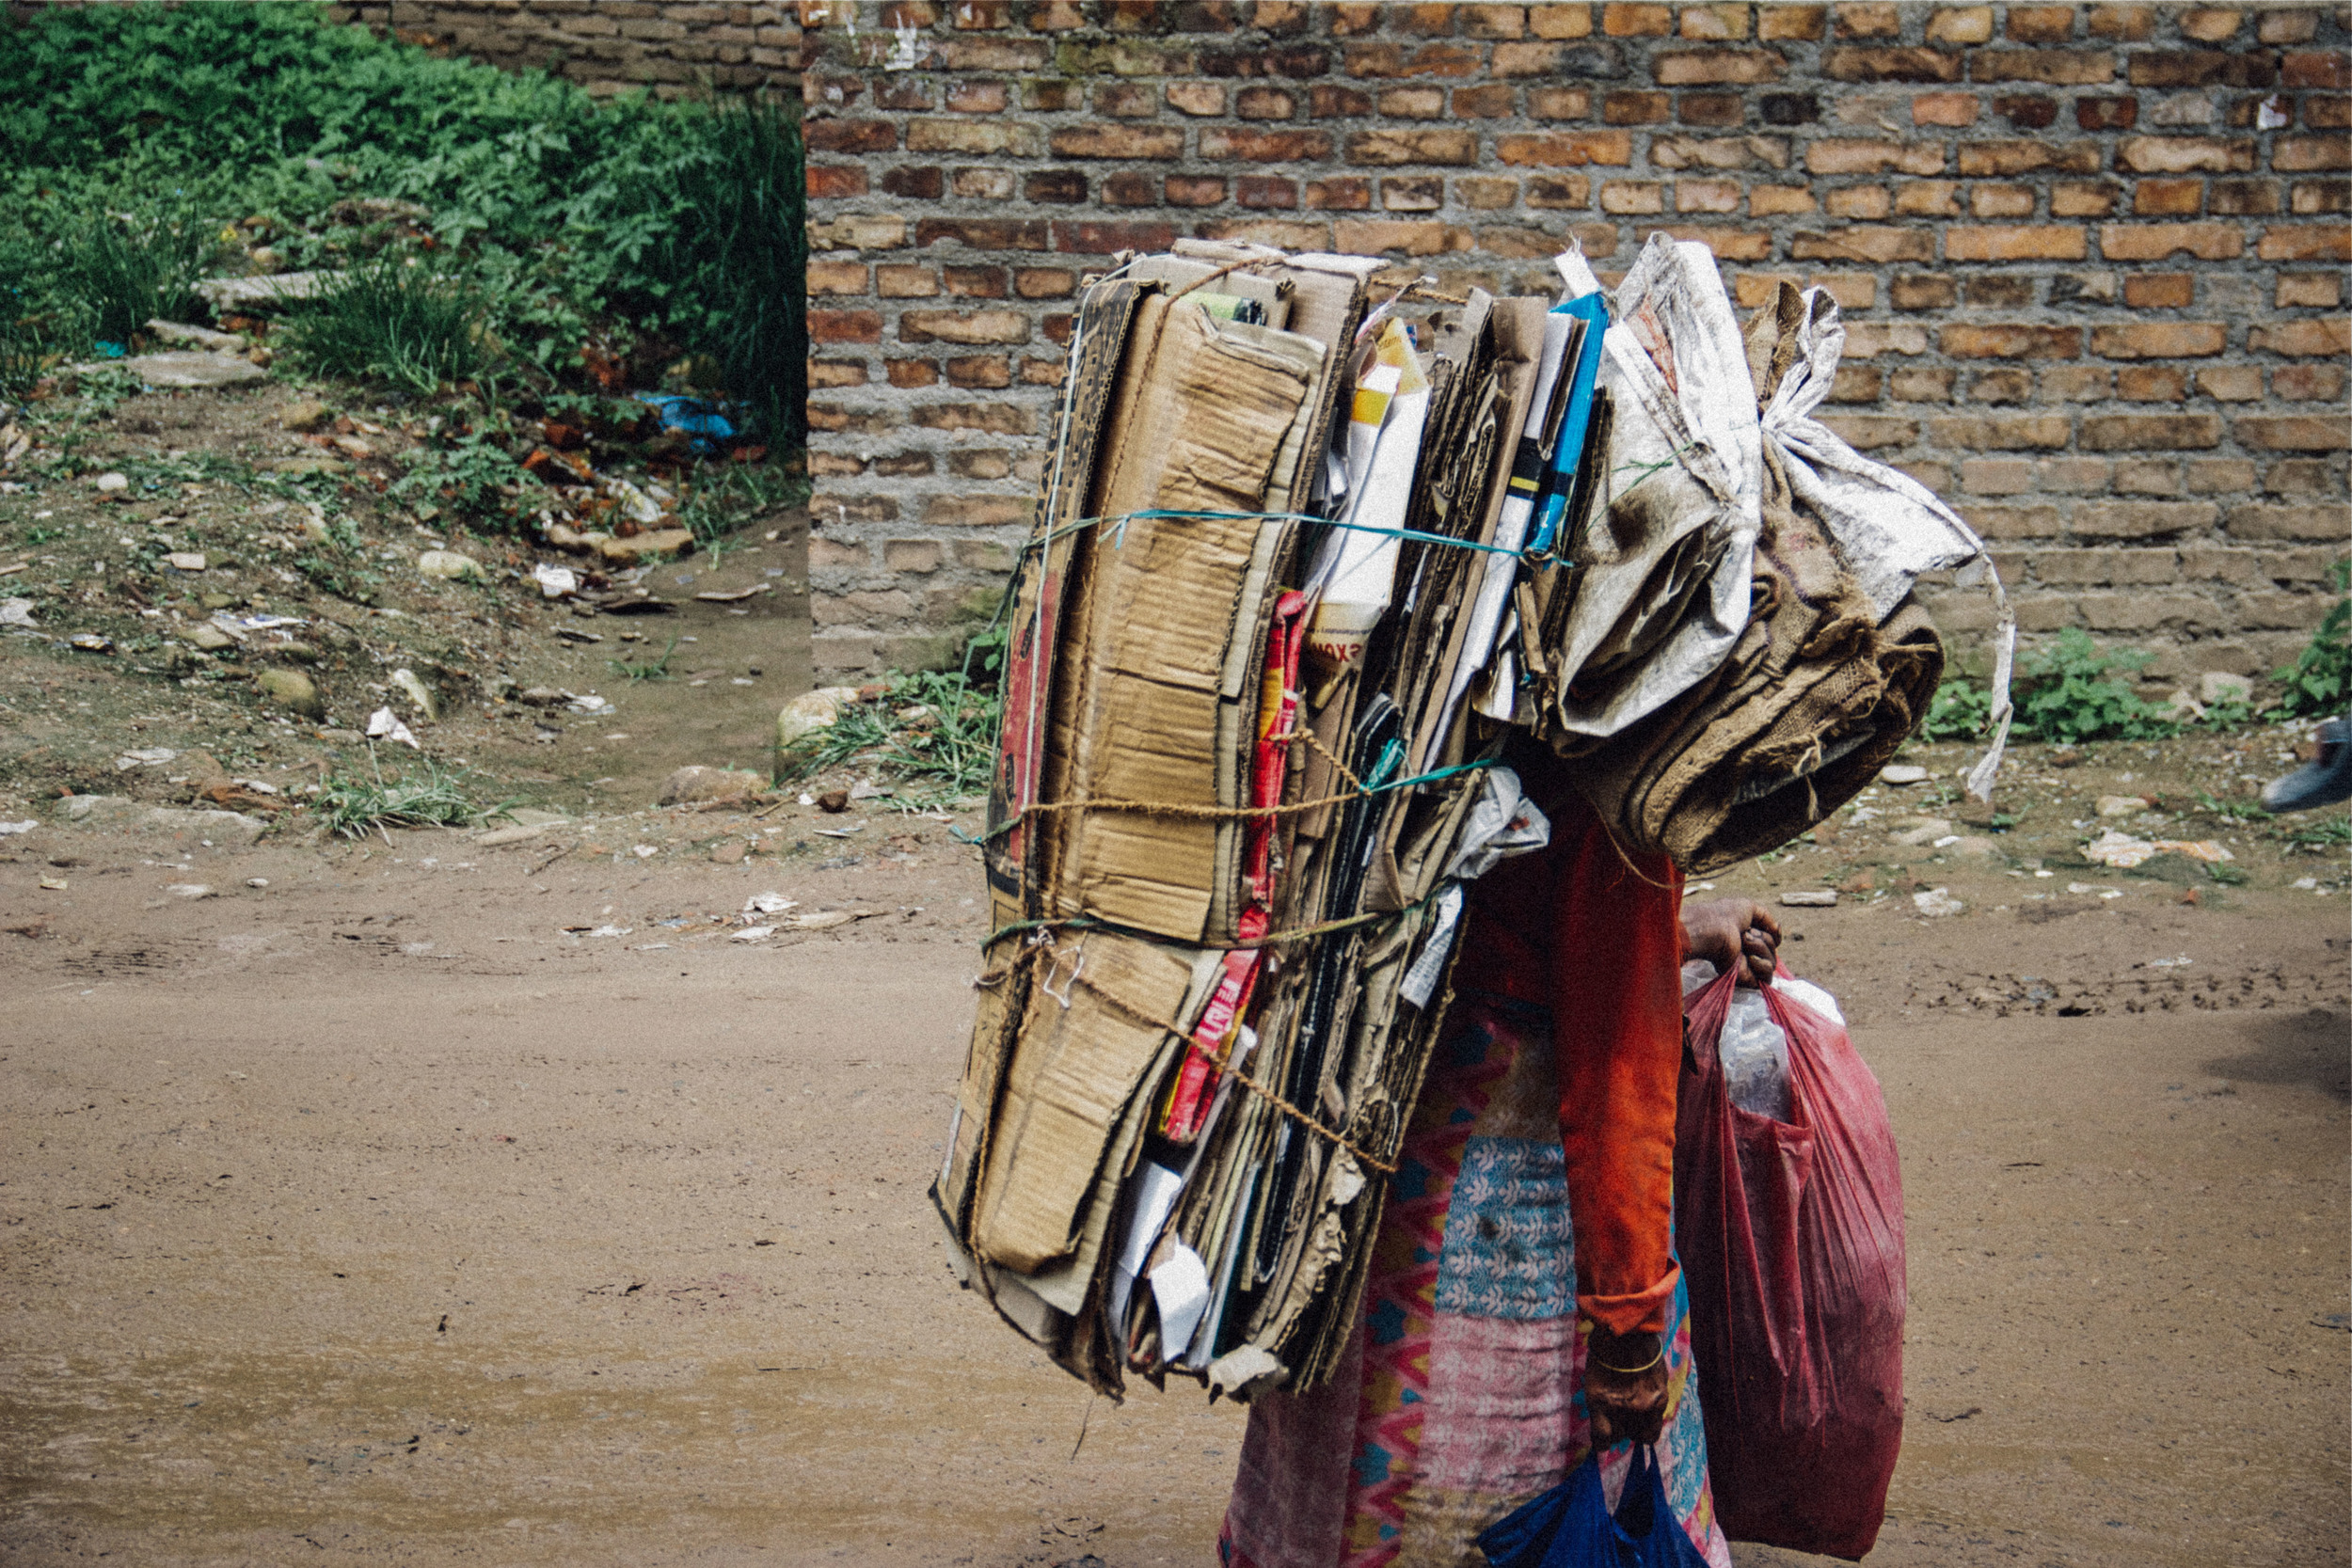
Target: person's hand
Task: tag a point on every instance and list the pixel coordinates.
(1625, 1406)
(1733, 933)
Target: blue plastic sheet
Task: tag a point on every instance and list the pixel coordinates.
(1571, 1526)
(691, 416)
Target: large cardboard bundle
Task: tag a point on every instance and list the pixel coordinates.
(1306, 550)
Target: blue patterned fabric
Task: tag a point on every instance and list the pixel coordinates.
(1508, 1251)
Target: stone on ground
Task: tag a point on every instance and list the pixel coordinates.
(694, 783)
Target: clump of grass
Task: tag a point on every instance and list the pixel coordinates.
(129, 269)
(2324, 832)
(396, 319)
(647, 669)
(430, 797)
(932, 726)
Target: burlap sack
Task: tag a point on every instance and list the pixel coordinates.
(1810, 702)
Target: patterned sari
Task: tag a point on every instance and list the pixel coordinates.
(1461, 1396)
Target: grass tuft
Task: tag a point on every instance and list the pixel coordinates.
(432, 796)
(929, 727)
(394, 318)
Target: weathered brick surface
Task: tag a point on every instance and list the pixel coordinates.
(2090, 256)
(609, 47)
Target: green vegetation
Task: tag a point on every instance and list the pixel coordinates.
(395, 318)
(2319, 682)
(429, 797)
(552, 238)
(1959, 712)
(932, 726)
(2068, 693)
(2319, 832)
(648, 669)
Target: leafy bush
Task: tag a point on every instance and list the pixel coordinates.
(2320, 680)
(1961, 709)
(394, 319)
(2068, 694)
(931, 725)
(676, 222)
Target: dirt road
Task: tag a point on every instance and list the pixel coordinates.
(370, 1215)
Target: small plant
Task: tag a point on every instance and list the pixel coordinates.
(2320, 680)
(932, 725)
(432, 798)
(1959, 712)
(2322, 832)
(127, 270)
(2070, 694)
(2226, 716)
(396, 319)
(470, 470)
(645, 670)
(2232, 811)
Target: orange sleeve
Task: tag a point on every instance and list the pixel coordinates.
(1616, 1001)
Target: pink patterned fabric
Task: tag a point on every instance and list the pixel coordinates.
(1460, 1395)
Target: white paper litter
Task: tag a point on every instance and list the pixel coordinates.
(383, 724)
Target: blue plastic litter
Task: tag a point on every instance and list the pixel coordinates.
(1570, 1526)
(691, 416)
(109, 351)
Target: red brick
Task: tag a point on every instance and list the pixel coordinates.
(1497, 101)
(2326, 68)
(1285, 234)
(1526, 59)
(2245, 197)
(1262, 103)
(1632, 196)
(1767, 201)
(997, 418)
(1944, 108)
(1865, 21)
(1871, 243)
(1376, 236)
(1796, 24)
(962, 326)
(845, 327)
(2164, 291)
(2231, 383)
(838, 277)
(1559, 102)
(1100, 239)
(2014, 340)
(1636, 109)
(2261, 520)
(1629, 22)
(1219, 144)
(835, 181)
(2151, 431)
(2001, 158)
(1728, 244)
(2040, 24)
(914, 183)
(1413, 102)
(982, 371)
(2057, 67)
(1125, 100)
(1560, 191)
(1325, 101)
(1684, 68)
(1197, 190)
(1344, 194)
(1493, 22)
(850, 136)
(1392, 60)
(2160, 340)
(2184, 155)
(2308, 383)
(1566, 149)
(1120, 141)
(2202, 67)
(1872, 431)
(2211, 23)
(2304, 155)
(1559, 20)
(1832, 155)
(1711, 108)
(2321, 289)
(2077, 200)
(983, 234)
(1705, 195)
(1044, 283)
(1197, 98)
(1959, 23)
(2022, 242)
(1061, 186)
(1858, 201)
(1718, 24)
(1890, 65)
(2287, 27)
(2329, 242)
(1261, 192)
(2330, 336)
(2154, 242)
(837, 373)
(1412, 193)
(1999, 202)
(2169, 197)
(1486, 193)
(2106, 113)
(978, 97)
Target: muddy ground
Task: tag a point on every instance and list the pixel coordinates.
(384, 1213)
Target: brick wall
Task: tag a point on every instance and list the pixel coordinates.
(608, 46)
(2091, 257)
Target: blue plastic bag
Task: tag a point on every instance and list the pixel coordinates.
(1570, 1526)
(691, 416)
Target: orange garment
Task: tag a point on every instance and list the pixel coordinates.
(1576, 929)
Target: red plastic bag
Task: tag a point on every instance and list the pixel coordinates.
(1791, 1240)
